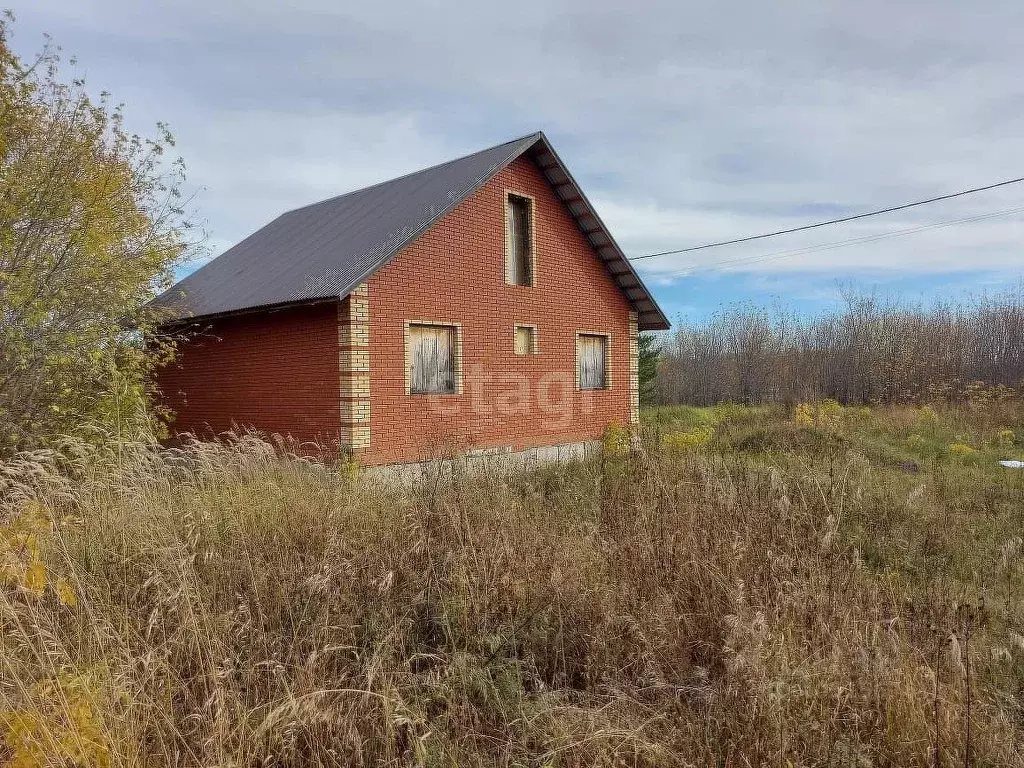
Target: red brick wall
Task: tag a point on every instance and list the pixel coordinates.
(456, 272)
(276, 372)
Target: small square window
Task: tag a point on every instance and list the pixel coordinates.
(525, 340)
(592, 361)
(432, 364)
(518, 239)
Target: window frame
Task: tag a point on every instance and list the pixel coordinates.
(607, 337)
(532, 213)
(534, 339)
(456, 356)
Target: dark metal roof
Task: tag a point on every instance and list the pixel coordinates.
(324, 250)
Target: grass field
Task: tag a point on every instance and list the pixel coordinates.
(769, 586)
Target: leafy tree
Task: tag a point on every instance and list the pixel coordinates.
(91, 226)
(650, 353)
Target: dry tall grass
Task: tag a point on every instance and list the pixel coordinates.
(736, 600)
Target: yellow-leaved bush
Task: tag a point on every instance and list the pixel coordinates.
(927, 416)
(21, 564)
(960, 450)
(58, 723)
(80, 255)
(615, 441)
(828, 414)
(804, 415)
(676, 442)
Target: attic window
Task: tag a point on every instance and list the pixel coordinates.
(518, 239)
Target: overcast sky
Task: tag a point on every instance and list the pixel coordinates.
(684, 123)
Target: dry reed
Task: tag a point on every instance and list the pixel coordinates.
(224, 605)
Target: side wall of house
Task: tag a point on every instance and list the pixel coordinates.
(277, 372)
(456, 274)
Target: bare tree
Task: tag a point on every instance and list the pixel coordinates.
(870, 350)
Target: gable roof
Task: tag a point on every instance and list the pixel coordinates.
(324, 250)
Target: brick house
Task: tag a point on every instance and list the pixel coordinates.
(479, 305)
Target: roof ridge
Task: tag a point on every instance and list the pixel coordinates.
(324, 249)
(536, 135)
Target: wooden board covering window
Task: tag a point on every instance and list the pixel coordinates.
(432, 348)
(525, 342)
(593, 357)
(518, 246)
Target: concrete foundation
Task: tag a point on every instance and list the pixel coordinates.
(490, 460)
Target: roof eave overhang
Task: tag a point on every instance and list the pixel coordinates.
(649, 314)
(175, 323)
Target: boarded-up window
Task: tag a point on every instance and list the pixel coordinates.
(592, 351)
(526, 340)
(432, 350)
(519, 240)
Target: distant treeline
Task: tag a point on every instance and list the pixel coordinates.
(870, 350)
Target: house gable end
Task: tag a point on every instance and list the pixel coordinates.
(578, 208)
(325, 250)
(454, 276)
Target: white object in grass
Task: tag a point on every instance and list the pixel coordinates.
(1013, 464)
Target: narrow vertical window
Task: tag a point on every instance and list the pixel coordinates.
(519, 239)
(525, 340)
(432, 363)
(592, 361)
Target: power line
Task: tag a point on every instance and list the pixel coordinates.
(851, 241)
(744, 260)
(831, 221)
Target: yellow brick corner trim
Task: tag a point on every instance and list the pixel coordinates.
(634, 369)
(354, 368)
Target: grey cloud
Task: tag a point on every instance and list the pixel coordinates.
(685, 122)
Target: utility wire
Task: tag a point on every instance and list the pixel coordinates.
(744, 260)
(831, 221)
